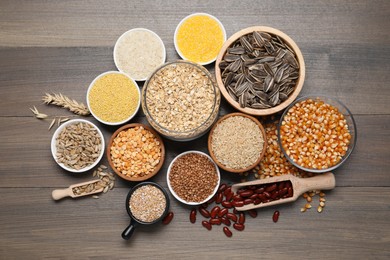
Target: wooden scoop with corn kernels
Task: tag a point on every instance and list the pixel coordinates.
(277, 190)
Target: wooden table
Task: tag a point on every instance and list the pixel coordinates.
(60, 46)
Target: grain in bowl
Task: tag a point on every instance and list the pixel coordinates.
(135, 152)
(180, 100)
(193, 178)
(237, 142)
(113, 98)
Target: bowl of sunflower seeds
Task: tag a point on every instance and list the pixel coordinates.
(260, 70)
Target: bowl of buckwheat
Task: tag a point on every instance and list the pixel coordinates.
(193, 177)
(317, 133)
(77, 145)
(181, 100)
(260, 70)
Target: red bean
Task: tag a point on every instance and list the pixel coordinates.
(204, 212)
(290, 192)
(227, 232)
(275, 217)
(252, 213)
(246, 193)
(239, 227)
(252, 187)
(193, 216)
(267, 194)
(281, 185)
(259, 190)
(237, 197)
(226, 221)
(227, 204)
(214, 212)
(248, 201)
(232, 217)
(227, 191)
(219, 198)
(283, 191)
(254, 196)
(222, 212)
(271, 187)
(238, 203)
(262, 197)
(222, 187)
(229, 196)
(206, 224)
(168, 218)
(275, 195)
(241, 219)
(215, 221)
(257, 201)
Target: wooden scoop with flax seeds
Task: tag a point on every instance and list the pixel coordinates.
(278, 190)
(79, 190)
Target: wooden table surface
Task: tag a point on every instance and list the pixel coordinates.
(60, 46)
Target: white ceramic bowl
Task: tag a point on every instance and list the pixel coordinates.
(128, 118)
(128, 34)
(185, 19)
(177, 196)
(54, 147)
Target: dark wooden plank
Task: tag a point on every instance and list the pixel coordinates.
(353, 225)
(334, 70)
(27, 161)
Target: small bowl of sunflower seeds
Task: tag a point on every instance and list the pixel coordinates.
(260, 70)
(77, 145)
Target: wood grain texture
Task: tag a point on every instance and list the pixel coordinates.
(61, 46)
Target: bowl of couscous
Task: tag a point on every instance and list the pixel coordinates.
(113, 98)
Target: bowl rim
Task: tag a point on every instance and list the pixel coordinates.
(351, 146)
(123, 35)
(134, 188)
(292, 96)
(191, 203)
(262, 130)
(185, 19)
(159, 165)
(204, 70)
(54, 147)
(125, 120)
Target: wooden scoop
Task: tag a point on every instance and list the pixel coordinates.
(324, 181)
(62, 193)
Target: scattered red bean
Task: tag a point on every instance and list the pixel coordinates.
(206, 224)
(252, 213)
(215, 221)
(219, 198)
(204, 212)
(168, 218)
(227, 204)
(222, 187)
(193, 216)
(239, 227)
(222, 212)
(226, 221)
(214, 212)
(241, 219)
(275, 217)
(227, 232)
(232, 217)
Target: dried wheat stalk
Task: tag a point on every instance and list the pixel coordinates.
(64, 101)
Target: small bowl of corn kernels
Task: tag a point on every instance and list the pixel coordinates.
(135, 152)
(113, 98)
(317, 133)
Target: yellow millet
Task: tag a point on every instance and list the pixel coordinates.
(113, 98)
(200, 38)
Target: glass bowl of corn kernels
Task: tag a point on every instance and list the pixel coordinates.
(317, 133)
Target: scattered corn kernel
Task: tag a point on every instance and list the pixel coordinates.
(319, 209)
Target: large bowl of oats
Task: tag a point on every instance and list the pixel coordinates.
(181, 100)
(77, 145)
(260, 70)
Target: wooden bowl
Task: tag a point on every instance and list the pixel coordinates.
(291, 97)
(211, 137)
(128, 178)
